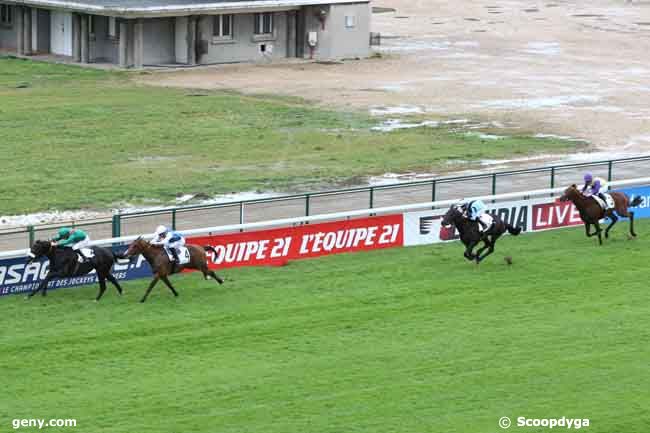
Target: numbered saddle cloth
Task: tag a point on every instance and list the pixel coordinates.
(487, 219)
(608, 204)
(183, 255)
(87, 252)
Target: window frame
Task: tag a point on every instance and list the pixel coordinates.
(218, 22)
(6, 19)
(350, 21)
(259, 24)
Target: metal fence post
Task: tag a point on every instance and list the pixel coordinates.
(241, 212)
(372, 197)
(307, 204)
(610, 166)
(494, 184)
(553, 177)
(433, 190)
(116, 225)
(30, 230)
(173, 219)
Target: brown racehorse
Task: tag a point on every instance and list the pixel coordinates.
(162, 267)
(591, 212)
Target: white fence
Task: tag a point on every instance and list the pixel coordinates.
(345, 215)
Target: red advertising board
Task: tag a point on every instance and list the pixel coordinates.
(277, 246)
(555, 214)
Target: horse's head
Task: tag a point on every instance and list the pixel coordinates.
(452, 215)
(570, 193)
(136, 247)
(39, 249)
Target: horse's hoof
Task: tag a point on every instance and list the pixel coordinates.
(220, 281)
(142, 301)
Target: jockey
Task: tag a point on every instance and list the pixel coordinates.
(595, 186)
(170, 240)
(475, 211)
(72, 238)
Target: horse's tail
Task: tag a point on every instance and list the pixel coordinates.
(211, 249)
(513, 230)
(636, 201)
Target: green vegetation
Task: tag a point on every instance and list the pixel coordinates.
(403, 340)
(76, 138)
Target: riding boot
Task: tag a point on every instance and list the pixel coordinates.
(482, 224)
(176, 260)
(83, 258)
(603, 198)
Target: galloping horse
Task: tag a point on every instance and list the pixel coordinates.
(64, 263)
(471, 236)
(591, 212)
(162, 267)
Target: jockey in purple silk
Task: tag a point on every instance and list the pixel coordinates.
(595, 186)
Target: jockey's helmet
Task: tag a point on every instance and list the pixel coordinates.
(64, 232)
(588, 178)
(160, 230)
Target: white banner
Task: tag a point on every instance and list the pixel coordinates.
(421, 228)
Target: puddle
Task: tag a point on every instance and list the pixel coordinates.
(395, 124)
(536, 103)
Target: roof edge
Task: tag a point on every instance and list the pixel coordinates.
(178, 10)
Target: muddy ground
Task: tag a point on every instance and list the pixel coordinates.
(576, 68)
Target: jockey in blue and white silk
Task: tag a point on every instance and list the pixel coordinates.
(170, 240)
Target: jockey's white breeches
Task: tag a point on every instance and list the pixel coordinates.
(82, 244)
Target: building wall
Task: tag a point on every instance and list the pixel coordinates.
(335, 39)
(102, 48)
(8, 35)
(41, 30)
(245, 46)
(159, 41)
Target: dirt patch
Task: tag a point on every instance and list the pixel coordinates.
(546, 71)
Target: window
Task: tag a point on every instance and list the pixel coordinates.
(350, 21)
(6, 15)
(222, 26)
(113, 31)
(264, 23)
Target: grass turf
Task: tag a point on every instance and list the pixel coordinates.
(402, 340)
(79, 138)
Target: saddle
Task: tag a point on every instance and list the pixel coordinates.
(486, 219)
(183, 256)
(607, 204)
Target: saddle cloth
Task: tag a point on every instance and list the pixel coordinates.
(183, 255)
(87, 252)
(605, 205)
(487, 220)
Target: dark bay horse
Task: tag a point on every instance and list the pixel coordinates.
(591, 212)
(64, 263)
(470, 235)
(162, 267)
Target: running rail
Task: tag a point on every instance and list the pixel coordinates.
(342, 215)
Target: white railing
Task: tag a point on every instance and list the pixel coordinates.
(342, 215)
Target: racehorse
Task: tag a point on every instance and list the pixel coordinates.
(162, 267)
(591, 212)
(64, 263)
(471, 236)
